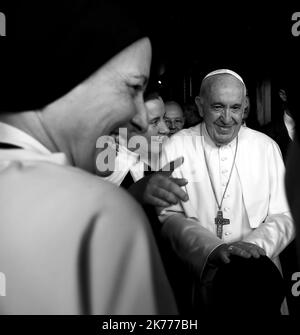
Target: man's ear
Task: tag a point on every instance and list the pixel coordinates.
(246, 108)
(199, 103)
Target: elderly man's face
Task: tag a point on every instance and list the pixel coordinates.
(222, 108)
(157, 130)
(174, 118)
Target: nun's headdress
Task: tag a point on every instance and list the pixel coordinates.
(49, 48)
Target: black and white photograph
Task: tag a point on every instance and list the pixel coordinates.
(149, 163)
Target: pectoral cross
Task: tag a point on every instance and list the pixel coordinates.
(220, 222)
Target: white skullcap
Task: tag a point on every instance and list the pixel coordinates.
(224, 71)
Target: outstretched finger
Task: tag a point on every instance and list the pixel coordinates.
(180, 181)
(170, 167)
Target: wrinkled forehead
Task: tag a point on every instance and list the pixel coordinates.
(155, 107)
(173, 110)
(223, 84)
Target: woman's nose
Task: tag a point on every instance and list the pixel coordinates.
(140, 120)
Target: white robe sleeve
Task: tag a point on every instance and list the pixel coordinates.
(192, 242)
(277, 230)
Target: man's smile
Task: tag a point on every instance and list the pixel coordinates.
(224, 129)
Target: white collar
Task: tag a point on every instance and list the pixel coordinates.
(12, 135)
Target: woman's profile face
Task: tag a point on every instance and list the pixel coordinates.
(108, 99)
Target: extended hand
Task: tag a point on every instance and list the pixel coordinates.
(160, 189)
(246, 249)
(243, 249)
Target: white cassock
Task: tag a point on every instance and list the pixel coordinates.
(71, 243)
(255, 200)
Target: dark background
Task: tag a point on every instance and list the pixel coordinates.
(192, 38)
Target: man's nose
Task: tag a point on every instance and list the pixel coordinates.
(163, 128)
(140, 120)
(173, 124)
(226, 115)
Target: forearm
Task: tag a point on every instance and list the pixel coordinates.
(192, 242)
(273, 235)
